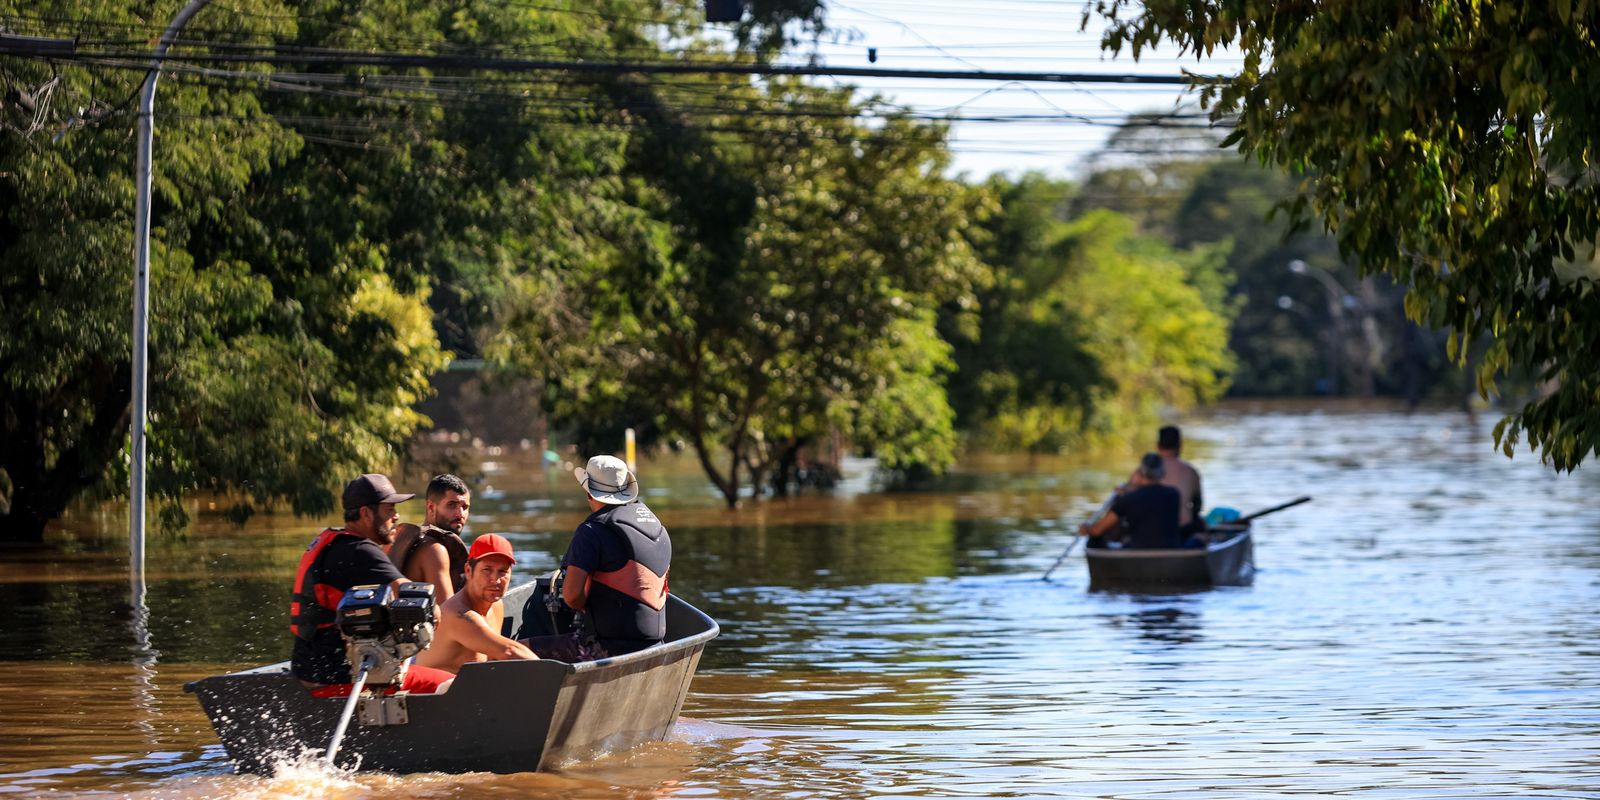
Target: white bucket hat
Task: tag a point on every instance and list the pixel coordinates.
(608, 480)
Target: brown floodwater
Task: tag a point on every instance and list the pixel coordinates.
(1425, 628)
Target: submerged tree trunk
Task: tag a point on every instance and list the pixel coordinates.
(787, 462)
(728, 484)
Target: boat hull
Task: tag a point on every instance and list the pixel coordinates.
(498, 716)
(1228, 560)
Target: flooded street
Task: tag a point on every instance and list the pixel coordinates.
(1424, 628)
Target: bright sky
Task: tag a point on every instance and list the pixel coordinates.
(1013, 36)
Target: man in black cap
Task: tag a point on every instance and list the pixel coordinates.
(1146, 514)
(336, 560)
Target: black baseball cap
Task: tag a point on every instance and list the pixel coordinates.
(370, 490)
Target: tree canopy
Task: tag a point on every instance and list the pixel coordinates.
(1448, 145)
(784, 288)
(311, 371)
(1088, 329)
(326, 236)
(308, 243)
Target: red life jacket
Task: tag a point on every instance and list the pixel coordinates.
(313, 604)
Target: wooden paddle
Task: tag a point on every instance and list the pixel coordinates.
(1265, 511)
(1074, 543)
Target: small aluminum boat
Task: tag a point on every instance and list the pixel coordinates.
(498, 716)
(1226, 560)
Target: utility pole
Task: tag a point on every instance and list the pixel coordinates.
(141, 294)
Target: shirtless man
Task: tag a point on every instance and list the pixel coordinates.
(469, 622)
(1180, 475)
(435, 553)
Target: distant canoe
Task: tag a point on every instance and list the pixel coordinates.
(1228, 560)
(498, 716)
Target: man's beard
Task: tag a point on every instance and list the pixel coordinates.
(445, 525)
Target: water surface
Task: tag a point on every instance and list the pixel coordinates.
(1425, 628)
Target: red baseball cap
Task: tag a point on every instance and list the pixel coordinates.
(491, 544)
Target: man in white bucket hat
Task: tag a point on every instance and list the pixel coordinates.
(616, 569)
(608, 480)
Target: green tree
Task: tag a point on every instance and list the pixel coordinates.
(1157, 320)
(1088, 328)
(1024, 377)
(784, 288)
(237, 383)
(1448, 145)
(301, 236)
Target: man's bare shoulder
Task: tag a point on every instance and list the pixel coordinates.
(455, 608)
(427, 559)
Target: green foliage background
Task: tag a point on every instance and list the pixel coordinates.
(750, 269)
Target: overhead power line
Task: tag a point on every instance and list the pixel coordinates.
(705, 67)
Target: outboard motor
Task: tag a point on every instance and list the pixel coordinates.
(382, 630)
(385, 629)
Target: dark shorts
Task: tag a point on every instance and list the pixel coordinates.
(419, 680)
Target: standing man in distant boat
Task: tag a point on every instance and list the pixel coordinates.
(1180, 475)
(469, 622)
(435, 553)
(616, 569)
(336, 560)
(1146, 514)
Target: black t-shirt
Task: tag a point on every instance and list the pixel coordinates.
(1149, 516)
(347, 561)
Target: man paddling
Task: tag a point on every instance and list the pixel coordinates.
(469, 622)
(616, 569)
(1146, 514)
(435, 552)
(336, 560)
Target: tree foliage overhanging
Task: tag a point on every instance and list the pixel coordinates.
(1449, 145)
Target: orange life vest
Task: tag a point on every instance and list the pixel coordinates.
(313, 604)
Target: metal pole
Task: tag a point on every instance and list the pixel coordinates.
(368, 661)
(141, 293)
